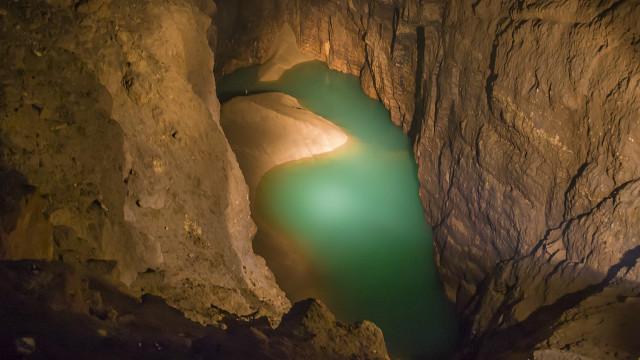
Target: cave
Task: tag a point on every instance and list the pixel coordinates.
(319, 179)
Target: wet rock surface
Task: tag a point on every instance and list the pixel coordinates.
(524, 116)
(271, 129)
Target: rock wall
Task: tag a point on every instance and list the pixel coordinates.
(113, 159)
(529, 166)
(524, 117)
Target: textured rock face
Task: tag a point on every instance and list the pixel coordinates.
(524, 117)
(112, 153)
(529, 165)
(315, 327)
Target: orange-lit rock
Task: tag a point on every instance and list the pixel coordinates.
(271, 129)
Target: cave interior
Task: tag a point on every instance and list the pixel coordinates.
(320, 179)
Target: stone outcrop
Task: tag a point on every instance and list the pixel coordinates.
(524, 118)
(267, 130)
(529, 173)
(112, 153)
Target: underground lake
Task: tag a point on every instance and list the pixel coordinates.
(354, 213)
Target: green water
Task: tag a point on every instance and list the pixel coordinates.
(357, 213)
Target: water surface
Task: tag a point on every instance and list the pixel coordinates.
(356, 213)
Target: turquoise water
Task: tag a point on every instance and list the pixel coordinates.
(357, 214)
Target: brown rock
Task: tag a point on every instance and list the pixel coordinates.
(315, 334)
(118, 133)
(523, 116)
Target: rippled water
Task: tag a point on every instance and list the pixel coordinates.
(356, 213)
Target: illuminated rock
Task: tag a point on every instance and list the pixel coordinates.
(270, 129)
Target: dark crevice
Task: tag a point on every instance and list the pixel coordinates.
(419, 95)
(564, 225)
(394, 33)
(613, 195)
(368, 57)
(475, 303)
(540, 325)
(611, 8)
(474, 5)
(330, 34)
(478, 146)
(502, 26)
(572, 184)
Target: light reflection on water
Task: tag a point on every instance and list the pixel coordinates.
(356, 213)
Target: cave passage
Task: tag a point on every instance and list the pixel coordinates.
(356, 214)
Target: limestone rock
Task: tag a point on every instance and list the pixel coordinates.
(109, 114)
(284, 55)
(314, 326)
(271, 129)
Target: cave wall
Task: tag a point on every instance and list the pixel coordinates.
(112, 155)
(524, 121)
(524, 117)
(531, 174)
